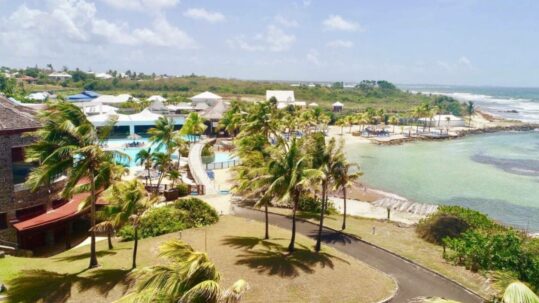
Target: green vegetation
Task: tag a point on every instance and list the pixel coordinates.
(182, 214)
(476, 242)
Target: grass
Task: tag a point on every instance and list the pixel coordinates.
(404, 242)
(235, 247)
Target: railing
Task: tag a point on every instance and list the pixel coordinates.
(222, 165)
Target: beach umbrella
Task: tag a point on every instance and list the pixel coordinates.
(134, 137)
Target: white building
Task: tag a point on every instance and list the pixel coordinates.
(114, 100)
(59, 76)
(206, 97)
(40, 96)
(284, 98)
(103, 76)
(157, 98)
(337, 107)
(444, 121)
(137, 123)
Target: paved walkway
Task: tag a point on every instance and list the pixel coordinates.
(197, 168)
(413, 280)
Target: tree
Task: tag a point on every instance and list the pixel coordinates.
(163, 163)
(189, 276)
(344, 178)
(518, 292)
(127, 202)
(332, 158)
(162, 133)
(69, 144)
(393, 120)
(144, 157)
(194, 125)
(287, 178)
(232, 119)
(470, 110)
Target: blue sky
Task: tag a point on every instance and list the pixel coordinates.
(470, 42)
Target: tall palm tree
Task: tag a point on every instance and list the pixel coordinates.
(179, 145)
(162, 133)
(287, 178)
(344, 178)
(261, 119)
(332, 158)
(194, 125)
(232, 119)
(393, 120)
(163, 163)
(69, 144)
(470, 110)
(190, 276)
(127, 202)
(518, 292)
(144, 157)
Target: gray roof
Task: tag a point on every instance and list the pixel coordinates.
(16, 117)
(215, 112)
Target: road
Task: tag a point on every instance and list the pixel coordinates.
(413, 281)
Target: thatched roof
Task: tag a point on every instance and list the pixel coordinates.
(15, 117)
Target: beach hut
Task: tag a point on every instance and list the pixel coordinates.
(337, 107)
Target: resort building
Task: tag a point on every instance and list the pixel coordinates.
(206, 97)
(58, 76)
(444, 121)
(103, 76)
(85, 96)
(22, 224)
(39, 96)
(157, 98)
(114, 100)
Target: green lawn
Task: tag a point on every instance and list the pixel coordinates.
(233, 244)
(404, 242)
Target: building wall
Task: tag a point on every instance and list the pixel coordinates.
(12, 199)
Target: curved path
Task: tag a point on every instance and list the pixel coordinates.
(197, 168)
(413, 280)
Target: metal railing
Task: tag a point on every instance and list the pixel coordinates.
(221, 165)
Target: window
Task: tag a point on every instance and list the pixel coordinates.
(3, 220)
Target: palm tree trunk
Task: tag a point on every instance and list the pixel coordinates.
(135, 247)
(344, 202)
(109, 236)
(322, 213)
(93, 255)
(293, 238)
(266, 236)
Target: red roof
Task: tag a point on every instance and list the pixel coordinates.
(64, 212)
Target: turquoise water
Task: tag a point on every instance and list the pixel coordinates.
(132, 151)
(494, 173)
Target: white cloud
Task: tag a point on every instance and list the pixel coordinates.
(462, 63)
(336, 22)
(203, 14)
(286, 22)
(273, 39)
(152, 5)
(465, 61)
(313, 57)
(340, 44)
(68, 26)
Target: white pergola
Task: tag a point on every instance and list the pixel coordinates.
(144, 118)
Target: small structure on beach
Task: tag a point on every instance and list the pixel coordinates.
(444, 121)
(337, 107)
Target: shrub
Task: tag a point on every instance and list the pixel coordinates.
(198, 213)
(156, 221)
(183, 189)
(435, 228)
(312, 205)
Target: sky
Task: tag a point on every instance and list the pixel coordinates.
(465, 42)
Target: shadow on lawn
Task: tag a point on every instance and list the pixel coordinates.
(333, 237)
(48, 286)
(100, 253)
(272, 258)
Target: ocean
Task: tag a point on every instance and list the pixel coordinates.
(497, 174)
(507, 102)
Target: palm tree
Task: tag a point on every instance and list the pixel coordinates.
(194, 125)
(344, 178)
(518, 292)
(340, 123)
(232, 119)
(190, 276)
(287, 178)
(163, 133)
(261, 120)
(105, 226)
(127, 202)
(144, 157)
(332, 158)
(69, 144)
(393, 120)
(470, 110)
(162, 162)
(179, 145)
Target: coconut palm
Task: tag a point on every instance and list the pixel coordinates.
(470, 111)
(341, 124)
(179, 145)
(332, 158)
(127, 202)
(261, 119)
(232, 119)
(189, 276)
(144, 157)
(107, 227)
(393, 120)
(162, 133)
(193, 126)
(69, 144)
(344, 178)
(518, 292)
(162, 163)
(287, 178)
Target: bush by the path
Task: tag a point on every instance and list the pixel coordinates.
(183, 214)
